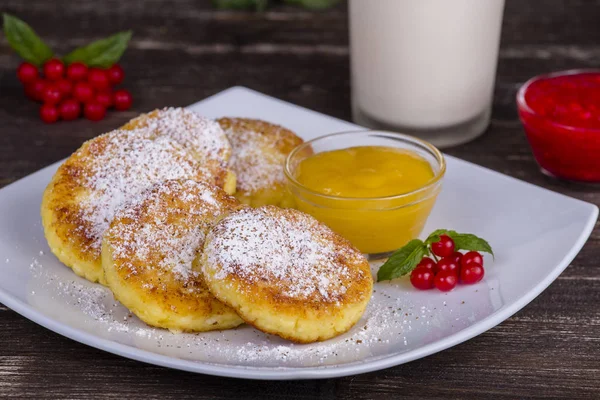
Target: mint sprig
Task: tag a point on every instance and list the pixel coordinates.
(101, 53)
(23, 39)
(462, 241)
(404, 260)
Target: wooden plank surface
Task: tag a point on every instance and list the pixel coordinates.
(182, 51)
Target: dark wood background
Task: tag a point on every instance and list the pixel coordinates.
(183, 51)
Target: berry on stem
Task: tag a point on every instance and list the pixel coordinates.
(445, 281)
(51, 94)
(27, 72)
(35, 89)
(98, 78)
(69, 109)
(94, 111)
(83, 92)
(54, 69)
(122, 100)
(422, 278)
(49, 113)
(65, 87)
(444, 247)
(447, 264)
(427, 263)
(472, 257)
(105, 98)
(115, 74)
(471, 273)
(456, 257)
(77, 71)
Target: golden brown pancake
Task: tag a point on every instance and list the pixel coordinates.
(148, 250)
(285, 273)
(199, 135)
(259, 150)
(90, 186)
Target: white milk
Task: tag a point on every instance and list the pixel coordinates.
(424, 63)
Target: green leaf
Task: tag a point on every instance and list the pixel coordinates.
(435, 236)
(23, 39)
(403, 261)
(101, 53)
(462, 241)
(314, 4)
(258, 5)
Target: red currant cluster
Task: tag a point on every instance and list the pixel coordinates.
(63, 90)
(452, 267)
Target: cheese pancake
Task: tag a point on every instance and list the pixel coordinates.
(148, 250)
(286, 273)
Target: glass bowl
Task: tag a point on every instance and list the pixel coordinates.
(564, 135)
(375, 225)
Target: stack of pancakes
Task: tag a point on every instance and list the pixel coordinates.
(148, 211)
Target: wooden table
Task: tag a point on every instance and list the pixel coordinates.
(183, 51)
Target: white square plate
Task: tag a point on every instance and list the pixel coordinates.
(535, 234)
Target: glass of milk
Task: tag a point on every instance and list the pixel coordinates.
(425, 67)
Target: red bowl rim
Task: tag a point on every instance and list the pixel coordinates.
(522, 103)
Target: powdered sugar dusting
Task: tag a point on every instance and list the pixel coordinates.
(121, 166)
(166, 226)
(201, 135)
(286, 247)
(255, 160)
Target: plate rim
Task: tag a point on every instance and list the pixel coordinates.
(318, 372)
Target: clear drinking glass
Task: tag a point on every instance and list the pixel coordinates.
(425, 67)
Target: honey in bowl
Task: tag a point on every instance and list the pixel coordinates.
(374, 188)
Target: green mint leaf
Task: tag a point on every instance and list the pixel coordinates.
(101, 53)
(468, 241)
(258, 5)
(462, 241)
(23, 39)
(314, 4)
(435, 236)
(403, 261)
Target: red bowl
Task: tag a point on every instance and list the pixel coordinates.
(562, 126)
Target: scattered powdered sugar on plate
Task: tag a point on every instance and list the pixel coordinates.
(389, 325)
(166, 223)
(285, 247)
(122, 165)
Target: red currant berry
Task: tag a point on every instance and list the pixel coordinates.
(54, 69)
(444, 247)
(94, 111)
(27, 72)
(445, 281)
(122, 100)
(471, 273)
(472, 257)
(65, 87)
(115, 74)
(77, 71)
(447, 264)
(69, 109)
(35, 89)
(98, 78)
(427, 263)
(49, 113)
(105, 98)
(456, 257)
(51, 94)
(83, 92)
(422, 278)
